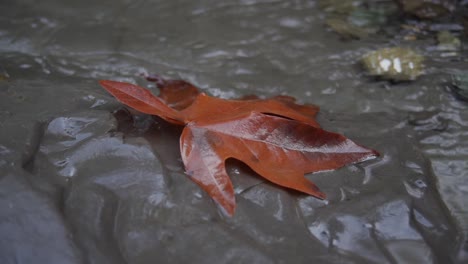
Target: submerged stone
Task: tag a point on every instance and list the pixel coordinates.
(399, 64)
(338, 6)
(346, 29)
(356, 20)
(447, 41)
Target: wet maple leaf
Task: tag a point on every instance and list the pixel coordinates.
(277, 138)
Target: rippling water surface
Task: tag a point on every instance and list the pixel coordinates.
(81, 185)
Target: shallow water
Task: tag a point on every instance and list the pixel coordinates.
(80, 185)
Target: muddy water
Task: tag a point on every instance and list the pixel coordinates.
(79, 184)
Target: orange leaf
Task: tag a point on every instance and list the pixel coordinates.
(207, 107)
(278, 149)
(142, 100)
(177, 94)
(276, 137)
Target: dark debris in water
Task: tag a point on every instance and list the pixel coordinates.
(460, 85)
(428, 9)
(3, 74)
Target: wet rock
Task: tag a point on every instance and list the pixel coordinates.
(128, 201)
(69, 141)
(102, 204)
(127, 207)
(427, 8)
(399, 64)
(394, 222)
(31, 226)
